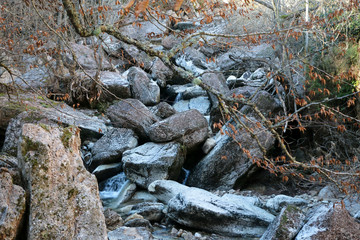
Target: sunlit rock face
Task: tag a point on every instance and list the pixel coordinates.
(64, 198)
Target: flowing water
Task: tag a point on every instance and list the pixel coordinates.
(115, 191)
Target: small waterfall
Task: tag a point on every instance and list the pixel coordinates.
(179, 97)
(116, 190)
(187, 173)
(111, 187)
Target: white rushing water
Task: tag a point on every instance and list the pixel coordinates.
(116, 190)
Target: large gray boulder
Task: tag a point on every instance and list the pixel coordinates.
(35, 78)
(64, 196)
(163, 110)
(142, 88)
(276, 203)
(152, 211)
(12, 206)
(265, 102)
(37, 110)
(227, 215)
(153, 161)
(132, 114)
(164, 190)
(161, 73)
(110, 147)
(227, 163)
(87, 58)
(117, 86)
(189, 128)
(215, 80)
(202, 104)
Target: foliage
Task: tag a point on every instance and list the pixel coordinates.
(340, 61)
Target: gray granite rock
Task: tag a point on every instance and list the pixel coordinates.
(153, 161)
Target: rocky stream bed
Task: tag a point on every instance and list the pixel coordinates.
(152, 166)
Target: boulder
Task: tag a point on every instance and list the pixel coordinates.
(202, 104)
(35, 109)
(137, 57)
(164, 190)
(112, 219)
(352, 204)
(161, 73)
(197, 208)
(193, 92)
(132, 114)
(240, 61)
(209, 144)
(151, 211)
(87, 57)
(12, 206)
(226, 163)
(189, 128)
(130, 233)
(117, 86)
(163, 110)
(117, 141)
(138, 222)
(64, 197)
(142, 88)
(286, 225)
(331, 222)
(111, 45)
(266, 103)
(276, 203)
(35, 78)
(153, 161)
(147, 30)
(217, 82)
(168, 42)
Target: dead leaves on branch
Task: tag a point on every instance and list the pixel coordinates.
(141, 7)
(177, 5)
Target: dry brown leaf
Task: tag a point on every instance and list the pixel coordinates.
(129, 5)
(177, 5)
(141, 7)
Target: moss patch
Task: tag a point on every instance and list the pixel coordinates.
(72, 192)
(45, 127)
(66, 136)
